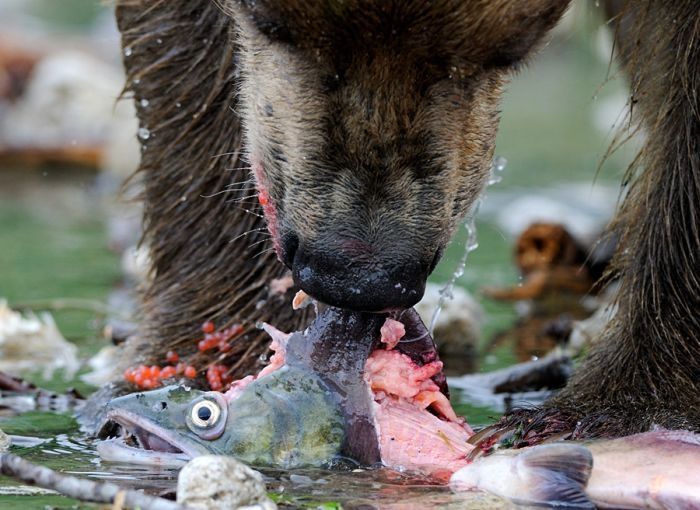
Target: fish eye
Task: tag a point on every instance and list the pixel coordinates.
(205, 414)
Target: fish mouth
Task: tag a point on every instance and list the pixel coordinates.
(127, 437)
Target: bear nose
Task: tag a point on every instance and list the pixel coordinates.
(366, 283)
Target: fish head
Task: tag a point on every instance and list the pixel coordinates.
(167, 426)
(286, 419)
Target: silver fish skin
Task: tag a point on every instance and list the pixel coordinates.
(657, 470)
(549, 475)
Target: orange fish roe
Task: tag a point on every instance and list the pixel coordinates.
(147, 378)
(219, 339)
(217, 377)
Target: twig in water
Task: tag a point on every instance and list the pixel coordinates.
(80, 488)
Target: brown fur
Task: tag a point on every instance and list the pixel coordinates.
(645, 371)
(394, 147)
(208, 241)
(371, 126)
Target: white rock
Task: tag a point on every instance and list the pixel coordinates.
(586, 332)
(136, 263)
(33, 342)
(214, 482)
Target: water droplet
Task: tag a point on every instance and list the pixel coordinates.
(144, 133)
(137, 81)
(159, 40)
(128, 51)
(469, 246)
(178, 105)
(497, 167)
(144, 103)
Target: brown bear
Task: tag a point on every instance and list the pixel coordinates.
(348, 138)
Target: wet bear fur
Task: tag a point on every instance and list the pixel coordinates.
(369, 127)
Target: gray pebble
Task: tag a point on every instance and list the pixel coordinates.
(215, 482)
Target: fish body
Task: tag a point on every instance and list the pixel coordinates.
(657, 470)
(288, 418)
(333, 391)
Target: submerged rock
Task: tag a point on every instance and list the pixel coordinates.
(213, 482)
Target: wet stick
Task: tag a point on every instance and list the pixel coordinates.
(80, 488)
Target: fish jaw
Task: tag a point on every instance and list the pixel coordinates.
(151, 444)
(152, 428)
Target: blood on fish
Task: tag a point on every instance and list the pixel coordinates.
(393, 405)
(397, 374)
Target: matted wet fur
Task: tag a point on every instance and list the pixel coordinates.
(368, 146)
(645, 370)
(211, 259)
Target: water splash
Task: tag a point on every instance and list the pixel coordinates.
(497, 168)
(446, 293)
(144, 133)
